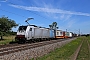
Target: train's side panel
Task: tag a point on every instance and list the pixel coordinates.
(66, 34)
(28, 33)
(46, 33)
(37, 33)
(70, 34)
(59, 34)
(41, 33)
(52, 34)
(63, 36)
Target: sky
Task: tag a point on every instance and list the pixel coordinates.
(70, 15)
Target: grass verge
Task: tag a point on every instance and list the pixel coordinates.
(7, 40)
(62, 53)
(84, 51)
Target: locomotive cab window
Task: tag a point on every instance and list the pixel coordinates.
(30, 29)
(22, 28)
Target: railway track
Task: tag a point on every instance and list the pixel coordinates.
(19, 47)
(81, 53)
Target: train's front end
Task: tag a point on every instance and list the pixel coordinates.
(20, 37)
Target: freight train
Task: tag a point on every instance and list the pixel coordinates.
(35, 33)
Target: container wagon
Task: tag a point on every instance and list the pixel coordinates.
(70, 35)
(60, 34)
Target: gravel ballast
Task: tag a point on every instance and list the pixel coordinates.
(34, 52)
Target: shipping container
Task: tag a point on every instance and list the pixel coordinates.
(60, 34)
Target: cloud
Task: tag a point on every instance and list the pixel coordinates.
(65, 17)
(70, 23)
(48, 10)
(62, 16)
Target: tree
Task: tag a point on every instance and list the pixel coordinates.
(6, 25)
(50, 26)
(54, 26)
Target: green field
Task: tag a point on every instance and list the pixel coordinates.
(84, 53)
(63, 53)
(7, 40)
